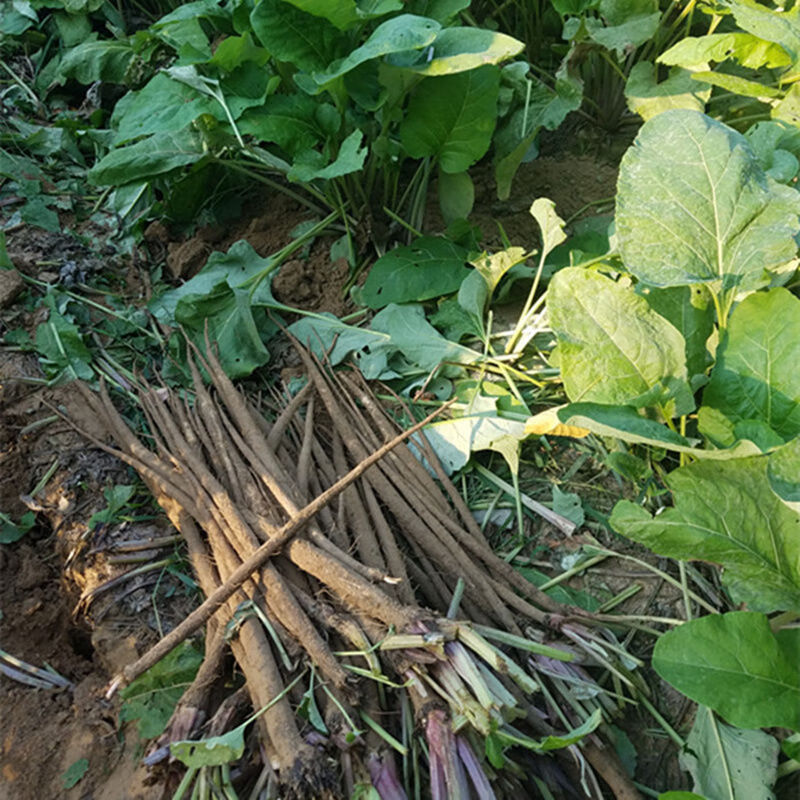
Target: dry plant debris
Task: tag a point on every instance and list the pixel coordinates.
(411, 635)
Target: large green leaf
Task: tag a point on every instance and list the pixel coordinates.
(162, 105)
(694, 206)
(430, 267)
(748, 50)
(152, 697)
(146, 158)
(612, 347)
(730, 763)
(64, 355)
(626, 423)
(783, 472)
(417, 341)
(756, 375)
(106, 60)
(625, 24)
(734, 664)
(781, 27)
(287, 120)
(311, 165)
(452, 118)
(725, 512)
(460, 49)
(292, 35)
(237, 327)
(399, 342)
(478, 427)
(240, 267)
(397, 35)
(690, 310)
(647, 98)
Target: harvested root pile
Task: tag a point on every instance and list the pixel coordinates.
(363, 613)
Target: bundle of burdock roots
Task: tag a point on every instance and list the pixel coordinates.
(385, 649)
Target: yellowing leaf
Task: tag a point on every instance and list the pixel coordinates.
(547, 423)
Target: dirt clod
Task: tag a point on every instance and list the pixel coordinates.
(11, 284)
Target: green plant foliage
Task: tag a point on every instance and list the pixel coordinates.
(461, 49)
(734, 664)
(783, 471)
(213, 751)
(452, 118)
(727, 762)
(430, 267)
(690, 311)
(117, 498)
(477, 427)
(755, 377)
(623, 24)
(612, 347)
(748, 50)
(74, 773)
(151, 698)
(11, 531)
(725, 512)
(647, 97)
(694, 206)
(311, 165)
(64, 355)
(397, 35)
(155, 155)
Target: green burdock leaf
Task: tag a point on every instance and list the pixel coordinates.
(152, 697)
(730, 762)
(725, 512)
(63, 352)
(626, 423)
(452, 118)
(311, 165)
(397, 35)
(750, 51)
(148, 157)
(480, 428)
(211, 752)
(734, 664)
(106, 60)
(11, 531)
(690, 310)
(783, 472)
(694, 206)
(647, 98)
(74, 773)
(612, 347)
(430, 267)
(781, 27)
(460, 49)
(756, 375)
(625, 24)
(240, 267)
(236, 326)
(417, 341)
(542, 107)
(287, 120)
(308, 42)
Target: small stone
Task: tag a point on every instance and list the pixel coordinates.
(11, 285)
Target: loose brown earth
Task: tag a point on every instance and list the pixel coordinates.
(43, 733)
